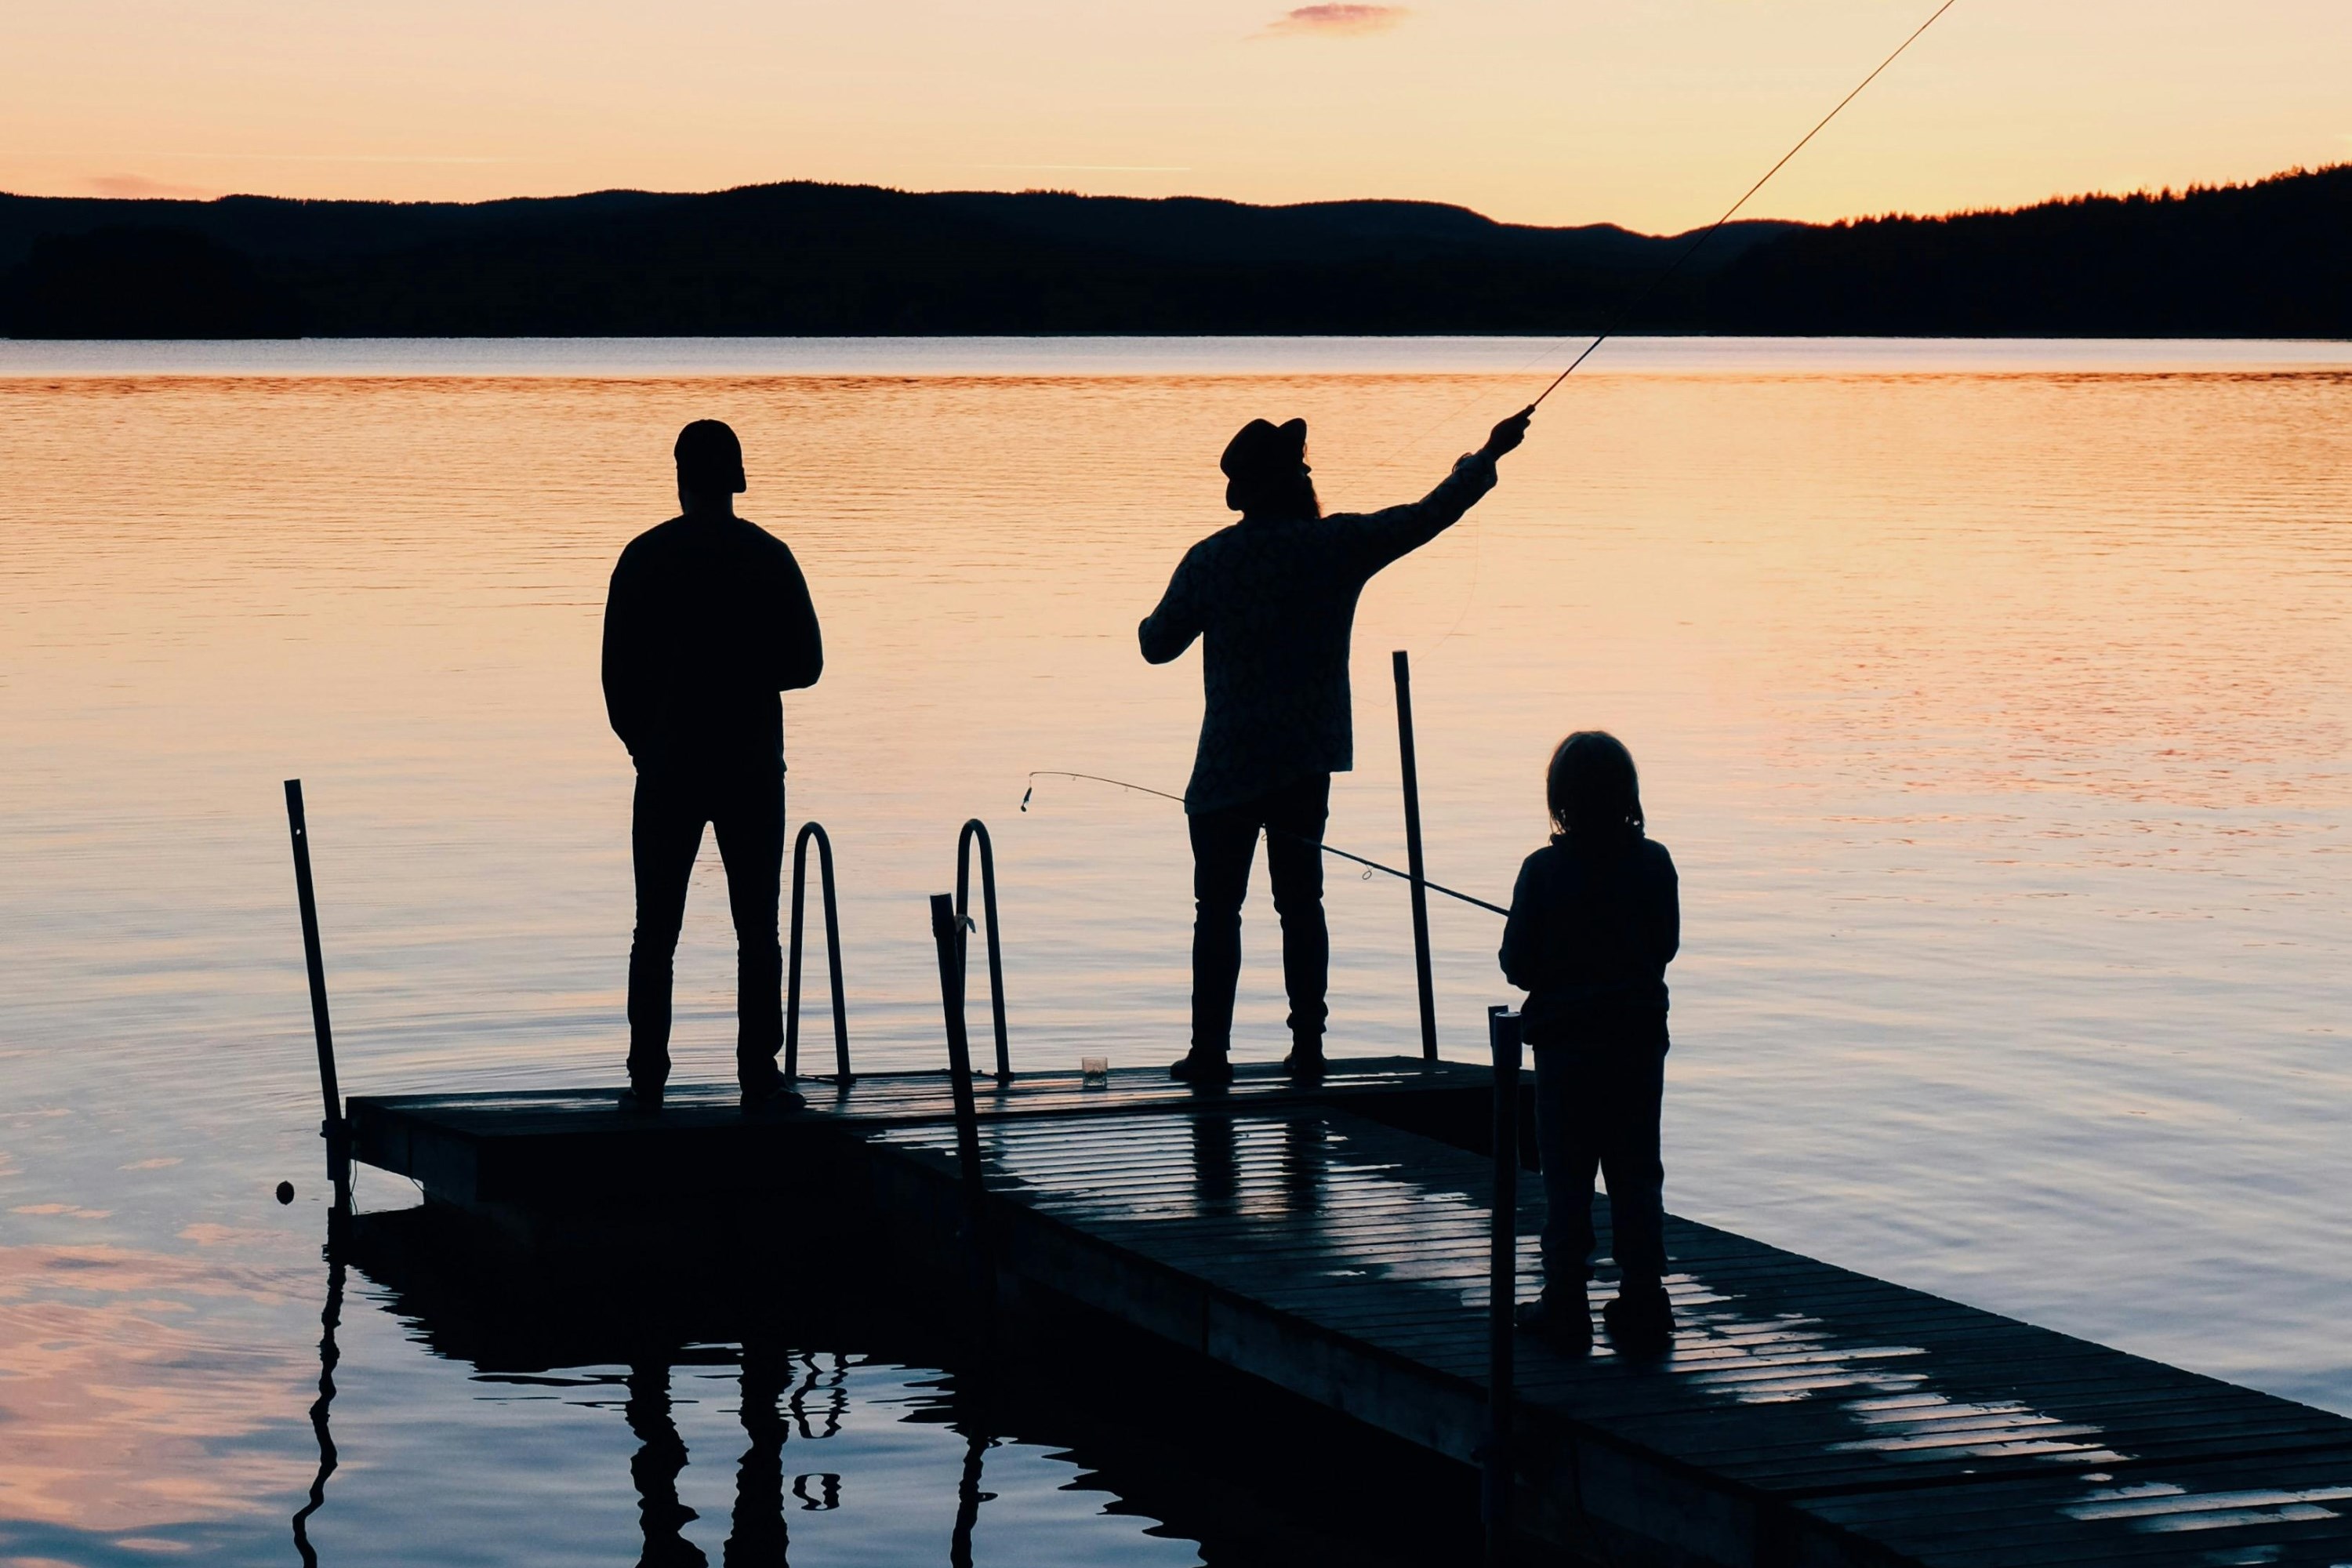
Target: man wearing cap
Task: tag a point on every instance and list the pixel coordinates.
(1273, 599)
(708, 619)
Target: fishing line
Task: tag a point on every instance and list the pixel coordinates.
(1608, 326)
(1690, 250)
(1327, 848)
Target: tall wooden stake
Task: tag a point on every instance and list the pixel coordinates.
(334, 1129)
(1414, 861)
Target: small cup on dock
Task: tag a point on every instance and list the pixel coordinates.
(1094, 1072)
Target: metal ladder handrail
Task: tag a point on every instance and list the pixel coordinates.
(832, 952)
(977, 830)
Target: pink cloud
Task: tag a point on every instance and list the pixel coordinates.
(1327, 20)
(138, 185)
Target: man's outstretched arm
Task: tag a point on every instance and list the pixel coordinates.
(1171, 627)
(1400, 530)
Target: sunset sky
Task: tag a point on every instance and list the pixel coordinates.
(1653, 114)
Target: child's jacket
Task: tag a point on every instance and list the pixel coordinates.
(1588, 940)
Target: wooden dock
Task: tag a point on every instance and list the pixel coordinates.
(1333, 1243)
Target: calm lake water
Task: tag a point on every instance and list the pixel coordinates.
(1992, 697)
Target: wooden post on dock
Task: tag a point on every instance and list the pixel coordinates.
(946, 930)
(334, 1129)
(1502, 1280)
(1413, 857)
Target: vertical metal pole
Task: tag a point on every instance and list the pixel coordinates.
(1413, 857)
(978, 830)
(795, 935)
(842, 1076)
(995, 961)
(811, 830)
(1502, 1279)
(334, 1129)
(946, 930)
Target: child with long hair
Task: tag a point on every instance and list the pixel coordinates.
(1595, 918)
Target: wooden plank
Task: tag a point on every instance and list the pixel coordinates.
(2294, 1509)
(1143, 1192)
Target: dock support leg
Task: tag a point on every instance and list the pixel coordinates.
(947, 931)
(1502, 1279)
(334, 1129)
(1413, 863)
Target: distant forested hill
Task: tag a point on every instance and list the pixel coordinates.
(2270, 259)
(814, 258)
(806, 259)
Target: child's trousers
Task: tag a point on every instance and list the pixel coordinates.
(1596, 1105)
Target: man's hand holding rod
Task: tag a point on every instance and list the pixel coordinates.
(1506, 436)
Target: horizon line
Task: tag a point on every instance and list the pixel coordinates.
(2164, 193)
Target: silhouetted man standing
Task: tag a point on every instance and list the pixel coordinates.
(1273, 598)
(708, 618)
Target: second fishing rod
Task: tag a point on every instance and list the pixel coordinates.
(1414, 875)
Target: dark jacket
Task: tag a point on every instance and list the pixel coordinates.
(708, 619)
(1273, 600)
(1588, 940)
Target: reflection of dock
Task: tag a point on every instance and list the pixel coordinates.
(1333, 1243)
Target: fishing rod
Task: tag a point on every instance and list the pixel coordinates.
(1690, 250)
(1327, 848)
(1607, 331)
(1610, 325)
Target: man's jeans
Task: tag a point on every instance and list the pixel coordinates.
(1597, 1108)
(746, 806)
(1223, 843)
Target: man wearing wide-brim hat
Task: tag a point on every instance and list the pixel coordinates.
(1273, 599)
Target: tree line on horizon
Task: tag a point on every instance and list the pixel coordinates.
(2268, 260)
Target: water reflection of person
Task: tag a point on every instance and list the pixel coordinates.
(1304, 1159)
(1216, 1165)
(1273, 600)
(655, 1466)
(757, 1534)
(757, 1538)
(708, 618)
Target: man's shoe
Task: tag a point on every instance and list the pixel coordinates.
(1305, 1063)
(1641, 1321)
(636, 1102)
(771, 1098)
(1202, 1073)
(1564, 1321)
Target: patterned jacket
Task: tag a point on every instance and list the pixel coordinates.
(1274, 602)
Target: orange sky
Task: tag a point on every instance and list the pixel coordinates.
(1653, 115)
